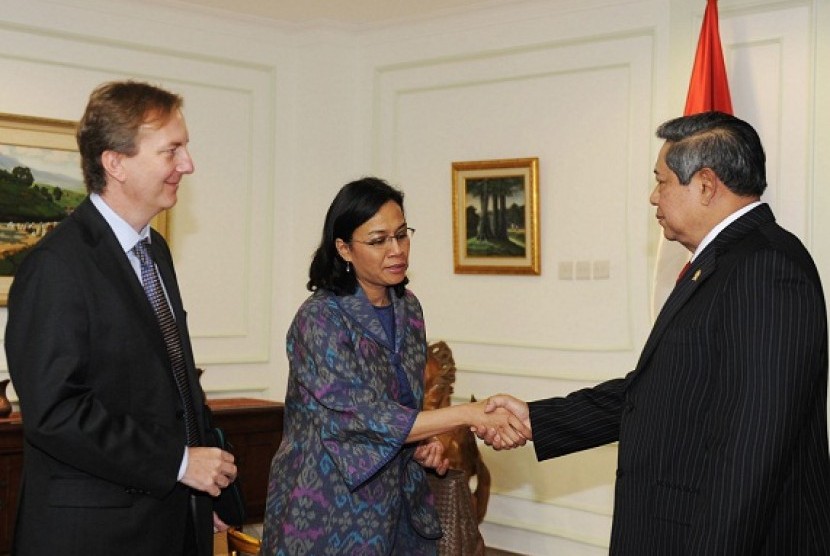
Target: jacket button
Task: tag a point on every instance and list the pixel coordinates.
(620, 473)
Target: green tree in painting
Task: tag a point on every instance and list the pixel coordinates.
(28, 209)
(492, 235)
(502, 188)
(472, 219)
(24, 200)
(23, 175)
(481, 189)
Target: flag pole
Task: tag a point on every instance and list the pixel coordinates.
(708, 90)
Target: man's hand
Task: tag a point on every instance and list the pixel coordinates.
(492, 436)
(209, 470)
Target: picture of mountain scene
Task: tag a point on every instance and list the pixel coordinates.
(38, 188)
(495, 216)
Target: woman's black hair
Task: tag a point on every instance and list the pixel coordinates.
(355, 203)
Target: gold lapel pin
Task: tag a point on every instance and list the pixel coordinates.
(696, 276)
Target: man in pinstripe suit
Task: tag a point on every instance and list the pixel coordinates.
(722, 425)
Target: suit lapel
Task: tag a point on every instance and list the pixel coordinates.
(699, 272)
(168, 276)
(110, 258)
(112, 261)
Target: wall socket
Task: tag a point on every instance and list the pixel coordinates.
(582, 270)
(585, 270)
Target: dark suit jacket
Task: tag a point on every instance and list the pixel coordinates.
(722, 427)
(102, 418)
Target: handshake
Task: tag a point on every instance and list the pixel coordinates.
(503, 422)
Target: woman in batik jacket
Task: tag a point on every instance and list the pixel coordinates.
(349, 476)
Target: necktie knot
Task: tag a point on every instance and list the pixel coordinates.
(142, 251)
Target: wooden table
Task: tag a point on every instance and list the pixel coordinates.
(11, 464)
(254, 428)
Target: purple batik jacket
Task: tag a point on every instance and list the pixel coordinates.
(342, 481)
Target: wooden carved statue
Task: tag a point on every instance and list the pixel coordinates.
(459, 445)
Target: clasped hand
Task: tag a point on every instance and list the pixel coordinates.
(430, 453)
(507, 424)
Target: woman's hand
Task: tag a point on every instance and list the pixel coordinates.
(430, 454)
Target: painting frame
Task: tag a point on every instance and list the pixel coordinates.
(47, 134)
(509, 243)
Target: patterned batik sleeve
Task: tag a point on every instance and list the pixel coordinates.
(361, 428)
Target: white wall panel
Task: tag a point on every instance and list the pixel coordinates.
(220, 231)
(594, 159)
(768, 63)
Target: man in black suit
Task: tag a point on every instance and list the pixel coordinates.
(722, 426)
(115, 457)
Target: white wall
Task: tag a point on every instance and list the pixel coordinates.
(280, 117)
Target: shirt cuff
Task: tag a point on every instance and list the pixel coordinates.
(183, 466)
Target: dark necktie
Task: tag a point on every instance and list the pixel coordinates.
(155, 293)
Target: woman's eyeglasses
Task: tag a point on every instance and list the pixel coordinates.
(402, 237)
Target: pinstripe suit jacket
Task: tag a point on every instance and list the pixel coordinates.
(722, 426)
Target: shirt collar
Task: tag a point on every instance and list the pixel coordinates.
(713, 233)
(126, 235)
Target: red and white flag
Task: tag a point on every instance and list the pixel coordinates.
(708, 90)
(708, 87)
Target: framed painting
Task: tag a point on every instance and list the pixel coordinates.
(40, 184)
(496, 216)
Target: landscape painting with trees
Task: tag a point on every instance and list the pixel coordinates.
(495, 222)
(40, 184)
(495, 216)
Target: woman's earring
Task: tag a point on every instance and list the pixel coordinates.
(348, 267)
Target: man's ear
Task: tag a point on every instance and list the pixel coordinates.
(112, 162)
(343, 249)
(710, 185)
